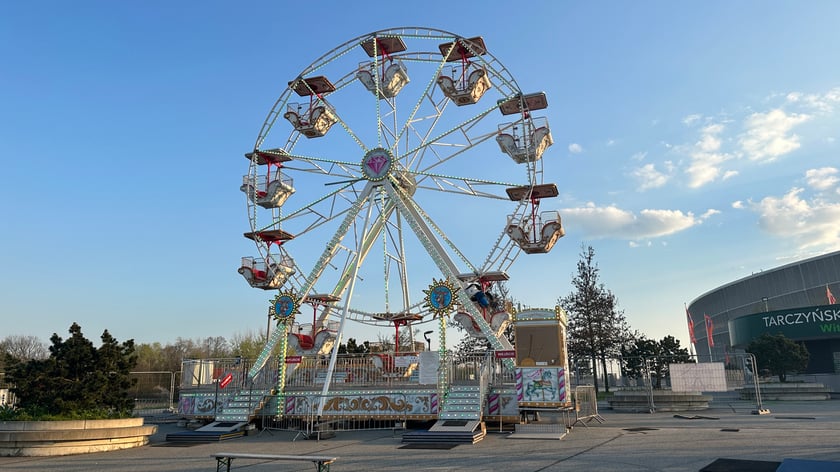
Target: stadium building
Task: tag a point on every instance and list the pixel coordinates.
(796, 300)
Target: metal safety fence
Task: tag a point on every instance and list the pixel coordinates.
(670, 382)
(154, 393)
(314, 417)
(586, 405)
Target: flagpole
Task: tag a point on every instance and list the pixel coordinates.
(691, 338)
(707, 323)
(711, 359)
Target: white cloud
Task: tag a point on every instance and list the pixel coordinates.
(691, 119)
(575, 148)
(812, 224)
(706, 158)
(822, 179)
(705, 168)
(738, 205)
(765, 135)
(613, 222)
(710, 139)
(823, 103)
(768, 135)
(649, 177)
(729, 174)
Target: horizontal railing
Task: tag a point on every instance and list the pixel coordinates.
(371, 370)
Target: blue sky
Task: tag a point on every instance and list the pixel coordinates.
(694, 144)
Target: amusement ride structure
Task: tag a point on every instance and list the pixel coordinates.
(376, 193)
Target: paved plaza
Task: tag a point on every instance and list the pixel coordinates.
(624, 442)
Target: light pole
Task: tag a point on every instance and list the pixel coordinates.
(428, 339)
(216, 401)
(268, 325)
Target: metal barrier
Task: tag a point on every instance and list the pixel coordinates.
(382, 369)
(586, 405)
(313, 426)
(198, 373)
(642, 382)
(154, 392)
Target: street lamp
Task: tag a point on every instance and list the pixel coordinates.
(428, 339)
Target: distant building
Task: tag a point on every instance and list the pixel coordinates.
(796, 300)
(7, 398)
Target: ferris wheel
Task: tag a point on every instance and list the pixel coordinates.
(399, 159)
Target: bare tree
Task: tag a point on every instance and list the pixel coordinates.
(215, 346)
(24, 348)
(248, 345)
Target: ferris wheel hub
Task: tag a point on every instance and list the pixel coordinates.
(377, 164)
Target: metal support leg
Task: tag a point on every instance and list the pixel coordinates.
(223, 461)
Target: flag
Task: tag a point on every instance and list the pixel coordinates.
(710, 326)
(830, 296)
(691, 336)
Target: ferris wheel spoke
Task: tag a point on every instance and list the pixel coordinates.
(331, 211)
(463, 186)
(344, 124)
(335, 241)
(429, 237)
(328, 167)
(426, 94)
(368, 241)
(432, 143)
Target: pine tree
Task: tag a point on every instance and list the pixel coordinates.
(643, 354)
(778, 354)
(77, 379)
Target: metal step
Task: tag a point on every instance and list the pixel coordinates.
(215, 431)
(464, 437)
(449, 431)
(459, 415)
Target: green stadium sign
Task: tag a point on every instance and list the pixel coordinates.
(798, 324)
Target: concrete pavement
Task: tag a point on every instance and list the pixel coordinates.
(624, 442)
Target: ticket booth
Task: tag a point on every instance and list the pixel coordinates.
(541, 359)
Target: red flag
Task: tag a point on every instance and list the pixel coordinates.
(690, 327)
(710, 326)
(830, 296)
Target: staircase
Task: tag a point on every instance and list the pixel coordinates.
(243, 406)
(230, 421)
(464, 402)
(459, 420)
